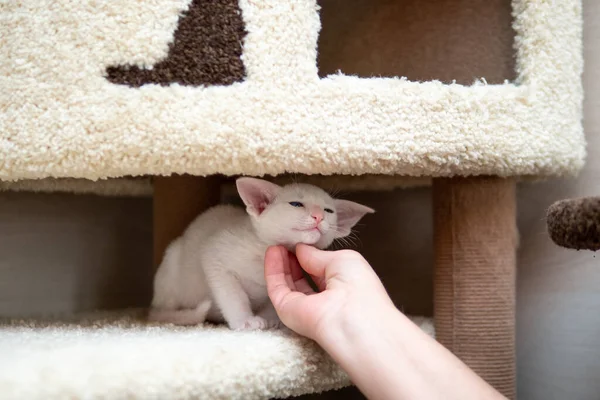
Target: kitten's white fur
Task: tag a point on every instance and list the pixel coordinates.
(215, 270)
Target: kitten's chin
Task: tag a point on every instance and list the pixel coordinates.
(321, 242)
(310, 237)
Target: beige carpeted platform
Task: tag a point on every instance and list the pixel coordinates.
(117, 355)
(94, 90)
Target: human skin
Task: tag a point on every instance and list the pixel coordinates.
(353, 319)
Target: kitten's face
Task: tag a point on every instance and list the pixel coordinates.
(298, 213)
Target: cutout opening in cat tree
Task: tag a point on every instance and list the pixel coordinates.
(421, 40)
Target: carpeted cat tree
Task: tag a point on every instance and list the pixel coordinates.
(174, 98)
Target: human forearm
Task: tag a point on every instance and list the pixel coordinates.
(388, 357)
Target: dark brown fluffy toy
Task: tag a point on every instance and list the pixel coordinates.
(575, 223)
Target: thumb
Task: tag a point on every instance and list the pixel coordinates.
(313, 260)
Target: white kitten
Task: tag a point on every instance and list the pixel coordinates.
(215, 270)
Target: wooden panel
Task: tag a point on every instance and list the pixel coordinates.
(422, 40)
(178, 199)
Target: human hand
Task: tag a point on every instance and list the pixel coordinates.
(354, 320)
(349, 289)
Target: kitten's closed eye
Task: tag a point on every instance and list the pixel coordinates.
(296, 204)
(329, 210)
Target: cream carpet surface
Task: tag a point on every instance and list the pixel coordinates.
(117, 355)
(96, 89)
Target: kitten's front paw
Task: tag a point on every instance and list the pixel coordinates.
(275, 324)
(252, 323)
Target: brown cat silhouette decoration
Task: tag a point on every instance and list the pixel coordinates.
(206, 50)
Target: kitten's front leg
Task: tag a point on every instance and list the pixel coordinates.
(232, 300)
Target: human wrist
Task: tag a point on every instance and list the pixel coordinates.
(353, 328)
(387, 356)
(370, 347)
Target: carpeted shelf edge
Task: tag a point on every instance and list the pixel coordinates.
(118, 187)
(119, 355)
(142, 186)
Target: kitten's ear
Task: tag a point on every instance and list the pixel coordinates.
(348, 214)
(256, 194)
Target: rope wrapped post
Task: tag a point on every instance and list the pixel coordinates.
(178, 199)
(475, 273)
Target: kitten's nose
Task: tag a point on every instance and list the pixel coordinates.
(317, 216)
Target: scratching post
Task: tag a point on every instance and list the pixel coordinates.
(178, 199)
(474, 281)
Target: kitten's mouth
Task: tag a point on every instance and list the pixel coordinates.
(313, 229)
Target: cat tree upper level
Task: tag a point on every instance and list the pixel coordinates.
(100, 90)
